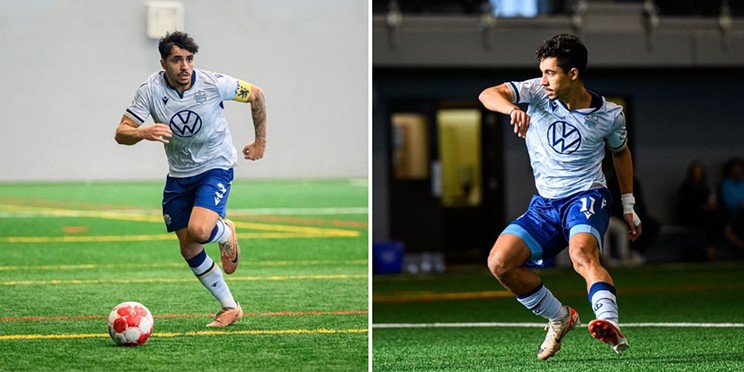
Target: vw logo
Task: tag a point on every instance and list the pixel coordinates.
(185, 123)
(563, 137)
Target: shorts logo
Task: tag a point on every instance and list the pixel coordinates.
(219, 194)
(587, 206)
(563, 137)
(185, 123)
(167, 219)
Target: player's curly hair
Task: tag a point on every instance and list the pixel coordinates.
(568, 50)
(179, 39)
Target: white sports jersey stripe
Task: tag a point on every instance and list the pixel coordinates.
(566, 147)
(201, 138)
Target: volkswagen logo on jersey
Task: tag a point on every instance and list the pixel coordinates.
(563, 137)
(185, 123)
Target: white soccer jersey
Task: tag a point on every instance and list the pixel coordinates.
(566, 147)
(201, 138)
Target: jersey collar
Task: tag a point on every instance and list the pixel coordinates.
(595, 105)
(180, 95)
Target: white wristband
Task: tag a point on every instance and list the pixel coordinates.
(628, 201)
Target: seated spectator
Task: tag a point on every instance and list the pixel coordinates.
(697, 207)
(732, 188)
(650, 225)
(732, 201)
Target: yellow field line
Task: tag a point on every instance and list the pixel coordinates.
(256, 332)
(298, 231)
(148, 237)
(172, 264)
(180, 280)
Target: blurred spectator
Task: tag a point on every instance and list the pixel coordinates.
(697, 208)
(650, 225)
(732, 201)
(732, 187)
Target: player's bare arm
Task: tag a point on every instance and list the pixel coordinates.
(623, 162)
(499, 99)
(129, 133)
(255, 150)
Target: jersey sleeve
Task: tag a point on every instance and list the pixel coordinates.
(232, 89)
(525, 91)
(618, 137)
(139, 109)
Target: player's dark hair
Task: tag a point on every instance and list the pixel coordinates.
(568, 51)
(179, 39)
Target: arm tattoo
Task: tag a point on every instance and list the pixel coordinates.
(258, 112)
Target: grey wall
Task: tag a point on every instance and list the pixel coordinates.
(70, 68)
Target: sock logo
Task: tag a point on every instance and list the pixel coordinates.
(598, 306)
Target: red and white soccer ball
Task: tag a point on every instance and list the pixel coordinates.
(130, 324)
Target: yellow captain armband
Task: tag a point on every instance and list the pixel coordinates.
(242, 91)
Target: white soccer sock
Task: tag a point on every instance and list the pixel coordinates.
(604, 302)
(220, 233)
(210, 275)
(542, 302)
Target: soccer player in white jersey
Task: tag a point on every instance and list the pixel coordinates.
(566, 128)
(186, 105)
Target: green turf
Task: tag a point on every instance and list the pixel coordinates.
(305, 297)
(692, 293)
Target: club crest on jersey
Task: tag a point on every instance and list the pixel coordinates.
(591, 120)
(563, 137)
(200, 96)
(185, 123)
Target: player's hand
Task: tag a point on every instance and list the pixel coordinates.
(254, 151)
(157, 132)
(521, 122)
(634, 231)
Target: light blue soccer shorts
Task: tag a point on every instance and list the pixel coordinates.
(548, 224)
(180, 195)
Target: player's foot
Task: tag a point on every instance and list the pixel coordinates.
(229, 250)
(609, 333)
(556, 330)
(227, 316)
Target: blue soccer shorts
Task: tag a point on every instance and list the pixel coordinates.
(208, 190)
(549, 224)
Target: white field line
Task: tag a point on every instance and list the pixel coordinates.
(157, 212)
(542, 325)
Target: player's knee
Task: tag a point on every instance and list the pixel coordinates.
(498, 264)
(199, 233)
(581, 260)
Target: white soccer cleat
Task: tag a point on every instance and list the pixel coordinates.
(556, 330)
(609, 333)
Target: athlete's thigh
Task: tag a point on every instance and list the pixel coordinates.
(509, 250)
(588, 213)
(539, 229)
(178, 200)
(213, 191)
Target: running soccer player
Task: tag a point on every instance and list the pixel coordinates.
(186, 105)
(566, 127)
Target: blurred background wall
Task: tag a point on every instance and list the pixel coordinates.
(71, 67)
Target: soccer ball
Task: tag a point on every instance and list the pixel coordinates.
(130, 324)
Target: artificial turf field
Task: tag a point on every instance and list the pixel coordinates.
(682, 317)
(70, 252)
